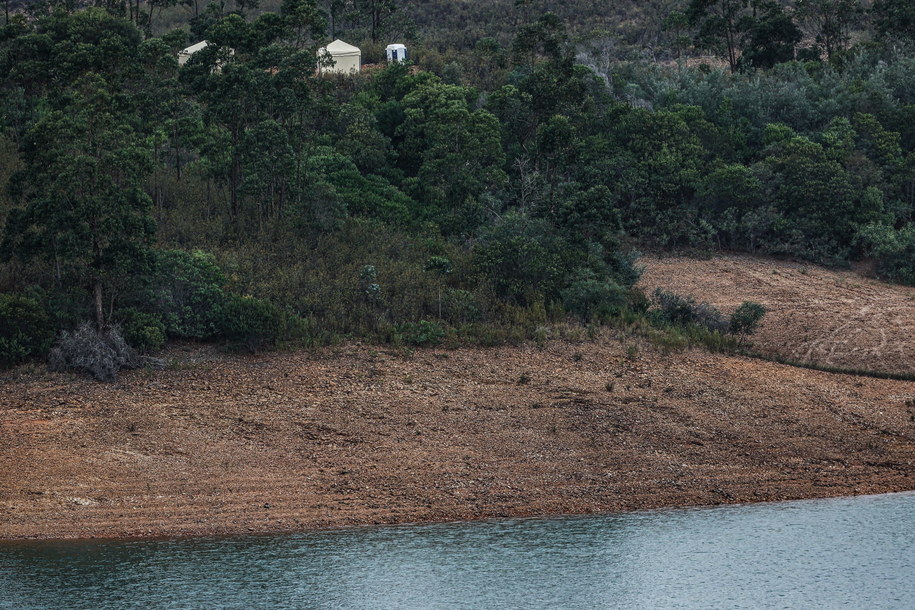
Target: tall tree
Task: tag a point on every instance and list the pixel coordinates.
(895, 18)
(334, 10)
(829, 22)
(158, 6)
(376, 12)
(304, 21)
(82, 203)
(454, 151)
(722, 25)
(771, 37)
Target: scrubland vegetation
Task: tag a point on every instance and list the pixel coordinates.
(504, 186)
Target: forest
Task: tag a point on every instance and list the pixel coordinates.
(498, 188)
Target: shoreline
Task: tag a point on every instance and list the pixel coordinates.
(355, 436)
(219, 533)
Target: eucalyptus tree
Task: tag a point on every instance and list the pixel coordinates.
(376, 12)
(771, 36)
(894, 18)
(830, 22)
(721, 26)
(455, 152)
(82, 205)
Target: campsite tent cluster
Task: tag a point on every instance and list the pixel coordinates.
(336, 58)
(341, 58)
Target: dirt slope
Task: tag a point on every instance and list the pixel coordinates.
(819, 315)
(353, 436)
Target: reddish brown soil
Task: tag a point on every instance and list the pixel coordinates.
(816, 315)
(356, 436)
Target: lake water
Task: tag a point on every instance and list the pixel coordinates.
(840, 553)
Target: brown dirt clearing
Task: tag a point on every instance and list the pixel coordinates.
(357, 435)
(836, 318)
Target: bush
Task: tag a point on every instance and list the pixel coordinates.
(522, 259)
(25, 329)
(419, 333)
(250, 322)
(707, 316)
(101, 353)
(188, 293)
(746, 318)
(684, 311)
(673, 308)
(592, 299)
(894, 250)
(637, 301)
(460, 306)
(144, 332)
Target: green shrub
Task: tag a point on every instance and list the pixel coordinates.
(419, 333)
(673, 308)
(25, 329)
(746, 318)
(145, 332)
(66, 306)
(460, 306)
(439, 264)
(637, 301)
(685, 311)
(188, 294)
(591, 299)
(894, 250)
(522, 259)
(251, 323)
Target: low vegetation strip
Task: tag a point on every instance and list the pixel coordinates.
(834, 369)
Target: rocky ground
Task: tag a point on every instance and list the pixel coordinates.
(361, 435)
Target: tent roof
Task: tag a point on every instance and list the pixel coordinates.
(338, 48)
(396, 46)
(195, 47)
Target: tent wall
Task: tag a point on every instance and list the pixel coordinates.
(348, 64)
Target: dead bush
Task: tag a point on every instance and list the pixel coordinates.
(101, 353)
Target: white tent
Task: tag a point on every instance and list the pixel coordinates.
(397, 53)
(185, 54)
(347, 58)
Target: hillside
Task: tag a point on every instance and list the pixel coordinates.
(828, 317)
(354, 435)
(493, 193)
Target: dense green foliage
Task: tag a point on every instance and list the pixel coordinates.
(24, 329)
(498, 188)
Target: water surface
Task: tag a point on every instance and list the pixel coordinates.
(840, 553)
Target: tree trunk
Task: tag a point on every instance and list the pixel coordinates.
(176, 139)
(99, 305)
(233, 190)
(732, 47)
(234, 175)
(375, 14)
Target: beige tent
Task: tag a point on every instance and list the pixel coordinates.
(185, 54)
(347, 59)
